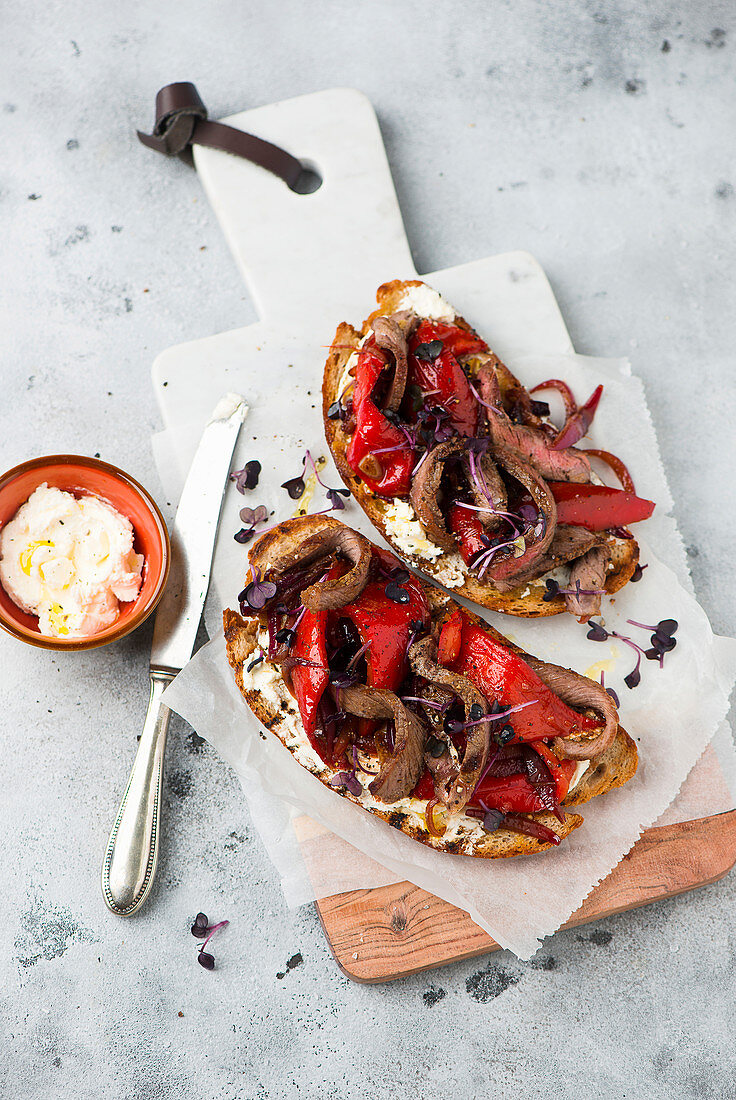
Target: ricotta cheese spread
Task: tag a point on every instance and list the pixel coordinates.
(452, 571)
(69, 561)
(580, 770)
(426, 302)
(405, 530)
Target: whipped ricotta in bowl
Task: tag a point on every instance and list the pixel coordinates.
(70, 561)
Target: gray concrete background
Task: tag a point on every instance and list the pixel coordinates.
(600, 137)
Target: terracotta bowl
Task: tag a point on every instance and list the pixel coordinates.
(82, 477)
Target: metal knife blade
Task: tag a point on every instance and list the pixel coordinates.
(193, 538)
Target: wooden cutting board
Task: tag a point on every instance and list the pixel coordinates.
(393, 931)
(305, 256)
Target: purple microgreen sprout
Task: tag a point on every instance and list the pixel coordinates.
(247, 478)
(361, 652)
(609, 691)
(495, 716)
(484, 557)
(251, 517)
(349, 781)
(254, 515)
(256, 594)
(340, 409)
(396, 593)
(204, 958)
(296, 486)
(386, 450)
(421, 460)
(638, 572)
(299, 612)
(662, 640)
(425, 702)
(436, 747)
(256, 661)
(333, 495)
(201, 929)
(201, 926)
(335, 498)
(429, 351)
(416, 626)
(553, 589)
(492, 820)
(480, 400)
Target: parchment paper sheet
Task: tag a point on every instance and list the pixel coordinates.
(673, 714)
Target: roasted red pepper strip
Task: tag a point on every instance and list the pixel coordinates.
(465, 524)
(308, 683)
(451, 637)
(457, 340)
(443, 380)
(562, 770)
(598, 507)
(386, 625)
(512, 794)
(374, 433)
(503, 676)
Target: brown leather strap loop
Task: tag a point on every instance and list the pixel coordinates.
(181, 121)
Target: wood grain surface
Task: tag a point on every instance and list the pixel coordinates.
(393, 931)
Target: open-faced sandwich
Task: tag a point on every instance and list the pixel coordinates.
(462, 470)
(411, 707)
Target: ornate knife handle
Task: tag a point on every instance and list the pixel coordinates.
(132, 850)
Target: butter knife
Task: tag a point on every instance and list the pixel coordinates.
(130, 860)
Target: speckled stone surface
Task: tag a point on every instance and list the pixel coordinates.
(600, 137)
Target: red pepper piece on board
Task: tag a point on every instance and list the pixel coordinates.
(598, 507)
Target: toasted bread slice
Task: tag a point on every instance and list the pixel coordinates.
(267, 695)
(448, 570)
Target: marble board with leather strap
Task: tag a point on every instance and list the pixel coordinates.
(310, 261)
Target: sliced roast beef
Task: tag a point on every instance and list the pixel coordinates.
(503, 572)
(487, 488)
(579, 692)
(423, 659)
(392, 334)
(516, 398)
(588, 578)
(326, 595)
(399, 774)
(426, 494)
(567, 465)
(569, 543)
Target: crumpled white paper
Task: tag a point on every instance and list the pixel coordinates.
(673, 714)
